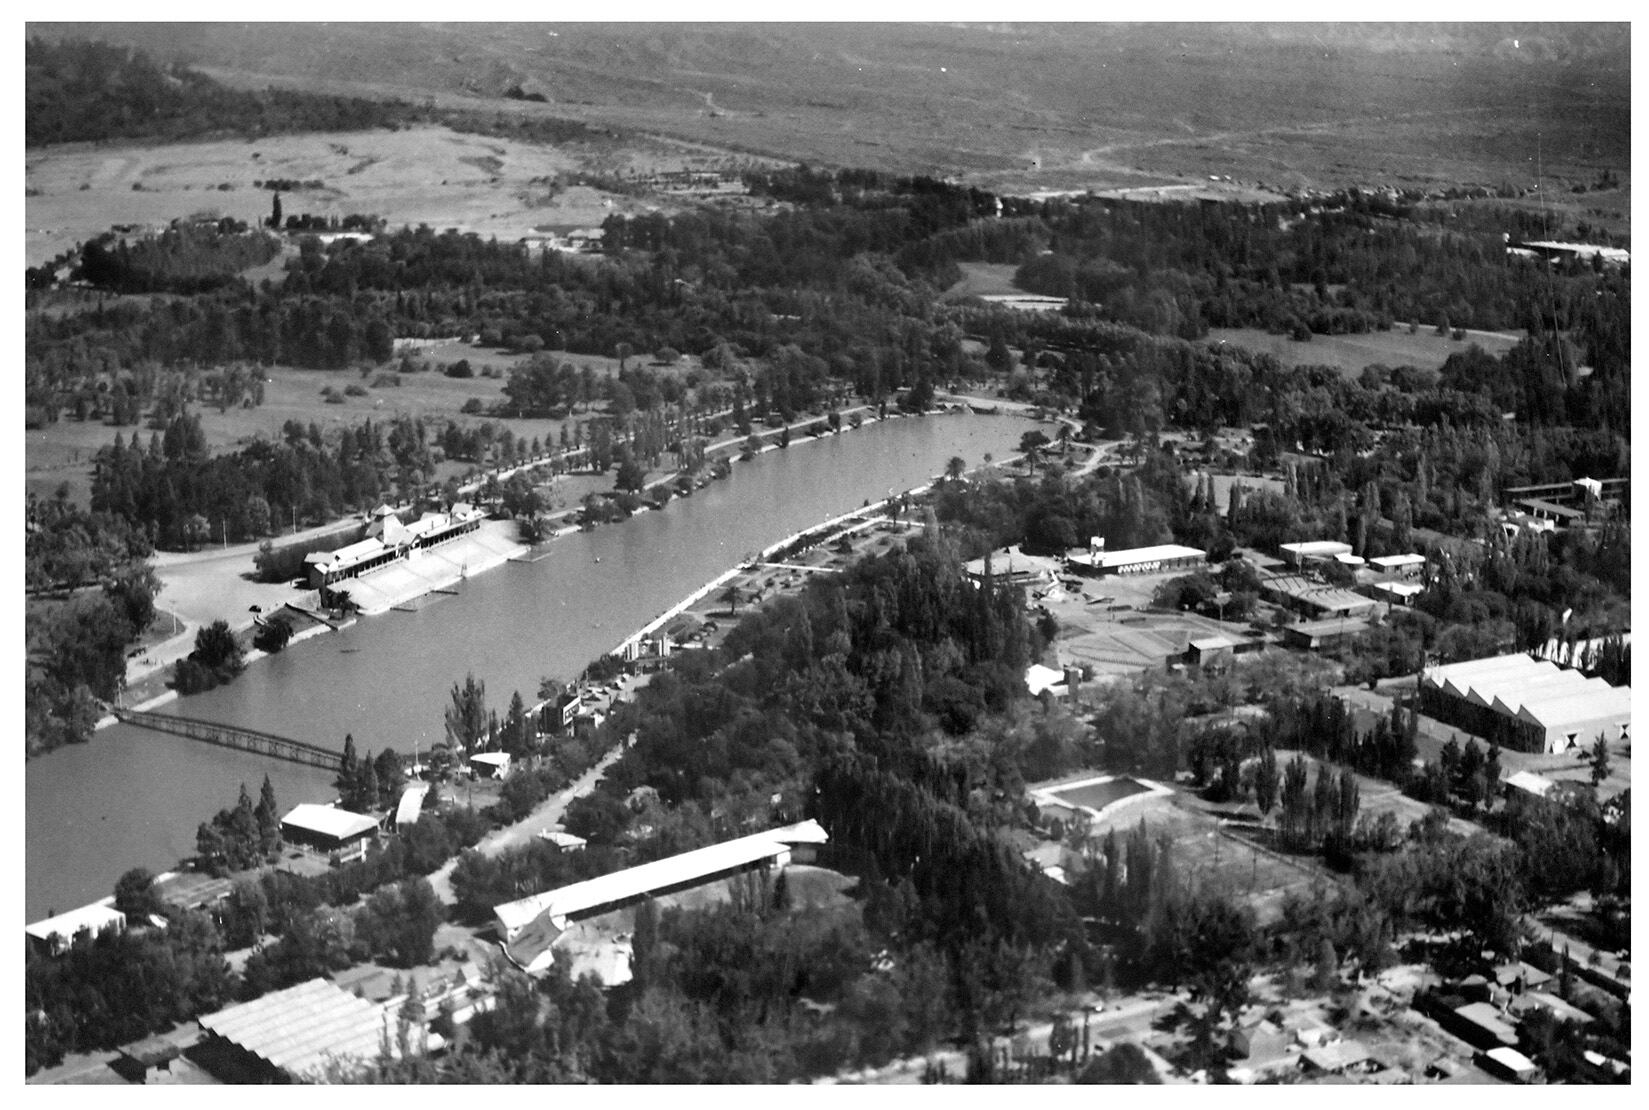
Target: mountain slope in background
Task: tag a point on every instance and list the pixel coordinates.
(1027, 106)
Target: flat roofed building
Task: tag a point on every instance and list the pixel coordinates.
(1162, 558)
(1039, 678)
(1337, 1056)
(1324, 634)
(329, 829)
(565, 841)
(1482, 1025)
(1508, 1063)
(490, 765)
(1395, 593)
(1309, 551)
(1406, 565)
(56, 935)
(1208, 649)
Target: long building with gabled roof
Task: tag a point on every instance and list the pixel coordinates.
(530, 926)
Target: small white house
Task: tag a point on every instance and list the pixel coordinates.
(56, 935)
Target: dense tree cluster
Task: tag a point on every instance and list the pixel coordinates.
(1345, 264)
(185, 258)
(77, 646)
(187, 495)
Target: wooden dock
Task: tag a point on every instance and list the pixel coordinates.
(229, 736)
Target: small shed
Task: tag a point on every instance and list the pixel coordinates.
(563, 840)
(151, 1060)
(1338, 1057)
(1508, 1063)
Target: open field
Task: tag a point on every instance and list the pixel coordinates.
(1424, 349)
(424, 175)
(985, 279)
(62, 452)
(1017, 107)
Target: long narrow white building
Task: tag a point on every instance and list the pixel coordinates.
(530, 926)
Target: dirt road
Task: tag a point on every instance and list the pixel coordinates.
(548, 812)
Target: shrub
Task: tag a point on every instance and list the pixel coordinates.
(273, 635)
(355, 389)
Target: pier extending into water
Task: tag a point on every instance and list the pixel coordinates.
(229, 736)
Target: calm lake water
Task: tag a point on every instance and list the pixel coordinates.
(132, 797)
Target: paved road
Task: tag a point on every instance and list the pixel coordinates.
(1131, 1019)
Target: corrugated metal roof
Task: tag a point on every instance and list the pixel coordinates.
(302, 1028)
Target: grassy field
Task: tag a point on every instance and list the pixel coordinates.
(1423, 349)
(985, 279)
(425, 175)
(62, 452)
